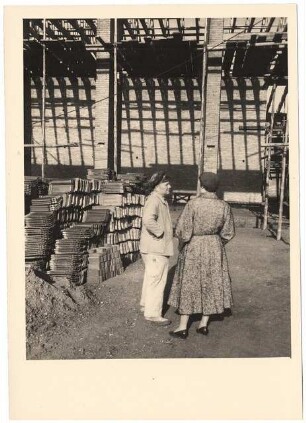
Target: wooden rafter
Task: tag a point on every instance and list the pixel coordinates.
(162, 27)
(145, 26)
(197, 29)
(269, 26)
(239, 60)
(228, 60)
(129, 28)
(33, 32)
(251, 24)
(152, 28)
(233, 25)
(247, 36)
(48, 31)
(90, 22)
(81, 31)
(179, 25)
(61, 28)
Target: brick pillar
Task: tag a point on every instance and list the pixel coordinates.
(104, 116)
(213, 95)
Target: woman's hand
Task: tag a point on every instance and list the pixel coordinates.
(181, 245)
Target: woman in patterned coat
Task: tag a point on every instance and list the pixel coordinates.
(202, 283)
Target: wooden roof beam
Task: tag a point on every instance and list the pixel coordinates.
(179, 25)
(251, 24)
(61, 28)
(247, 36)
(49, 31)
(145, 26)
(233, 25)
(90, 22)
(130, 29)
(81, 31)
(269, 26)
(162, 27)
(34, 33)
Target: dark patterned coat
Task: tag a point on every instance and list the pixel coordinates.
(202, 283)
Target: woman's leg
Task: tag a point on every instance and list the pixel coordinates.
(183, 322)
(204, 321)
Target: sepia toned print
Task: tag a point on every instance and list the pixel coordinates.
(110, 102)
(160, 212)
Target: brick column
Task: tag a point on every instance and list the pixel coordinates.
(213, 95)
(104, 116)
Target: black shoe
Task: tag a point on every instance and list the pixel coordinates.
(182, 334)
(203, 330)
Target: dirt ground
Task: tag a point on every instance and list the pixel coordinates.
(98, 322)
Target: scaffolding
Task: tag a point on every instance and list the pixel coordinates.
(276, 163)
(169, 47)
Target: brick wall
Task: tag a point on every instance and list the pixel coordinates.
(212, 97)
(160, 127)
(105, 100)
(243, 102)
(159, 130)
(69, 118)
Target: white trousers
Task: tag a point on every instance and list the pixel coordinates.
(154, 282)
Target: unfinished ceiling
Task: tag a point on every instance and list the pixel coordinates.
(157, 47)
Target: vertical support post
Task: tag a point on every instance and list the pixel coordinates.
(115, 99)
(43, 112)
(104, 108)
(203, 95)
(283, 178)
(268, 167)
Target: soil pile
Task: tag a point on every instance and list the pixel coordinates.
(51, 304)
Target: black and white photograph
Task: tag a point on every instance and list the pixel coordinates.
(153, 207)
(156, 188)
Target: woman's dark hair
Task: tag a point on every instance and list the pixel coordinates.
(156, 179)
(209, 181)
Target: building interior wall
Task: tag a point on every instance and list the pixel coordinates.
(160, 127)
(243, 103)
(70, 118)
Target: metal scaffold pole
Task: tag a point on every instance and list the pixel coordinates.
(43, 112)
(283, 179)
(268, 166)
(202, 119)
(115, 98)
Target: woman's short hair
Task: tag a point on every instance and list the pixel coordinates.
(156, 179)
(209, 181)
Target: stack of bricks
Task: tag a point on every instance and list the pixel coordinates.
(111, 218)
(125, 224)
(103, 263)
(70, 255)
(78, 195)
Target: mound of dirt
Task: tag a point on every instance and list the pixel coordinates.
(51, 303)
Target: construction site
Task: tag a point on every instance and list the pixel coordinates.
(108, 102)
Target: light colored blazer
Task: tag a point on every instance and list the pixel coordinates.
(157, 232)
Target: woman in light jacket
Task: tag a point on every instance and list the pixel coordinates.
(202, 282)
(156, 246)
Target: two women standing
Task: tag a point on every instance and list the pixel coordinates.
(201, 283)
